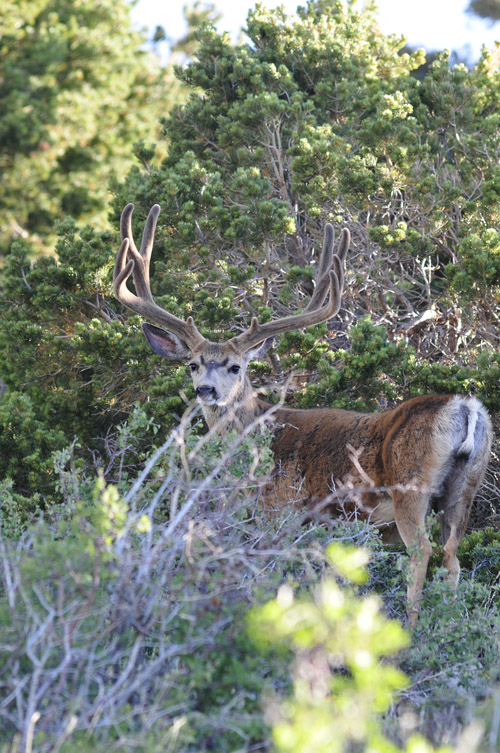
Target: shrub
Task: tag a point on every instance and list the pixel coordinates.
(123, 610)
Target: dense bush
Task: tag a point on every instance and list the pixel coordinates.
(123, 618)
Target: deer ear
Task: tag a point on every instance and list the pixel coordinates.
(165, 343)
(260, 351)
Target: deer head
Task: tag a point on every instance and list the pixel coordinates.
(218, 370)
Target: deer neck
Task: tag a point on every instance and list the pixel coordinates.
(238, 413)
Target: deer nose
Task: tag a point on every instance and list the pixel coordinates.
(204, 390)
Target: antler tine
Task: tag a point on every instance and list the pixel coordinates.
(322, 282)
(126, 225)
(325, 260)
(141, 258)
(144, 303)
(345, 242)
(328, 281)
(121, 273)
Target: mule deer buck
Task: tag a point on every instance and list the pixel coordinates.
(429, 453)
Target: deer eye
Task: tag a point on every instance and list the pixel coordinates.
(193, 366)
(234, 369)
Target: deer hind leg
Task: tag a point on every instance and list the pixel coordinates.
(454, 507)
(410, 512)
(471, 433)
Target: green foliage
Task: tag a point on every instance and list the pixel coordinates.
(341, 683)
(453, 660)
(71, 356)
(73, 76)
(27, 443)
(370, 371)
(16, 510)
(457, 636)
(479, 552)
(480, 266)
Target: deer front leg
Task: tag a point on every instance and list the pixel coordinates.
(410, 512)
